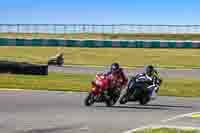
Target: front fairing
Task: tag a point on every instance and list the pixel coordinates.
(96, 90)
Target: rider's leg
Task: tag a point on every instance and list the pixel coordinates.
(152, 90)
(107, 93)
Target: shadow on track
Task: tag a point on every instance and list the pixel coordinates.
(168, 106)
(148, 106)
(135, 107)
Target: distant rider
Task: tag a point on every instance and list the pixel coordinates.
(60, 56)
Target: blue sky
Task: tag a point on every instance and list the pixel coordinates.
(100, 11)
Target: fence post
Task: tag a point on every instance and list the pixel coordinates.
(74, 28)
(1, 29)
(65, 28)
(93, 28)
(54, 28)
(113, 30)
(102, 31)
(18, 29)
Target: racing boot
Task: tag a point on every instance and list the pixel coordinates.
(153, 95)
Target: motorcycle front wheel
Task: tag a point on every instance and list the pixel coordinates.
(89, 100)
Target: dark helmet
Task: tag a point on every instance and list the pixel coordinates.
(115, 67)
(149, 70)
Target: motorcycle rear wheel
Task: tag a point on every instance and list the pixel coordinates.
(144, 100)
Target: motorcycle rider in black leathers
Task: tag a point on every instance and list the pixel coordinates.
(151, 76)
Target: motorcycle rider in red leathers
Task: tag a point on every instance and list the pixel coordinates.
(117, 78)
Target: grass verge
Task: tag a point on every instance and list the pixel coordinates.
(54, 81)
(167, 130)
(130, 57)
(197, 115)
(81, 82)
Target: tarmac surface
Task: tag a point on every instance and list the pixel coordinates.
(164, 72)
(61, 112)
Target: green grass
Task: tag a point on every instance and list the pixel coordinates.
(81, 82)
(180, 87)
(54, 81)
(124, 36)
(132, 57)
(167, 130)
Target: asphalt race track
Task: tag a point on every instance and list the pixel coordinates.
(62, 112)
(164, 72)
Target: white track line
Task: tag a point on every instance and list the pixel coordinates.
(167, 126)
(180, 116)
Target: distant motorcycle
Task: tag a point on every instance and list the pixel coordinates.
(57, 60)
(138, 91)
(97, 94)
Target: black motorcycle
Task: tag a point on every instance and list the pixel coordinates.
(138, 91)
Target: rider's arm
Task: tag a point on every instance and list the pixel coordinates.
(157, 75)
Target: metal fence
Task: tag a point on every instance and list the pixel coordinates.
(86, 31)
(85, 28)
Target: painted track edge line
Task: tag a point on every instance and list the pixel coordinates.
(180, 116)
(162, 126)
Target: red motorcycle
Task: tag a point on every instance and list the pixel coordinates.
(100, 93)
